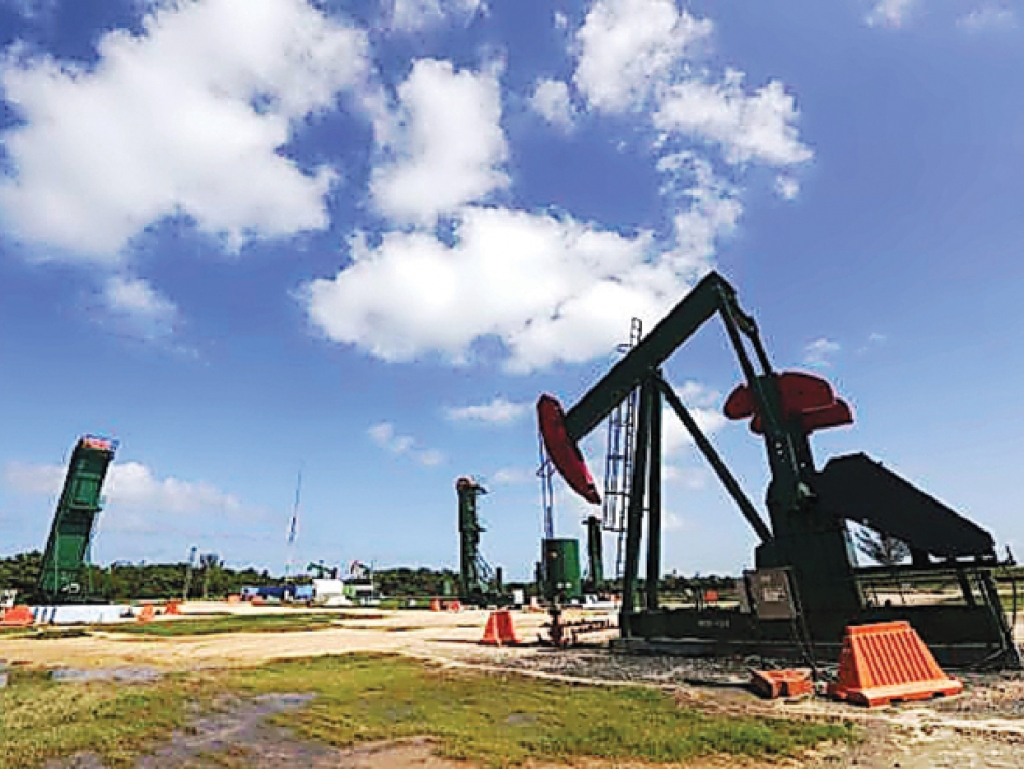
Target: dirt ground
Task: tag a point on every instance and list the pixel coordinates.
(984, 727)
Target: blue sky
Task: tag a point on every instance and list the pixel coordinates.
(360, 238)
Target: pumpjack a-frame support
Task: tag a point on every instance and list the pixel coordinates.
(807, 537)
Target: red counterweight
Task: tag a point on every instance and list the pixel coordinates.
(565, 454)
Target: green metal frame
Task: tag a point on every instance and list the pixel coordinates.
(64, 574)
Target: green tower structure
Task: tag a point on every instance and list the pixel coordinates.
(475, 575)
(64, 574)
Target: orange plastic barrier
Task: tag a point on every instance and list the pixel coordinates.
(147, 613)
(781, 683)
(173, 608)
(16, 616)
(435, 604)
(234, 598)
(888, 662)
(500, 630)
(454, 606)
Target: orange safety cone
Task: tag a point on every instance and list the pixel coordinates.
(435, 604)
(147, 613)
(16, 616)
(888, 662)
(500, 630)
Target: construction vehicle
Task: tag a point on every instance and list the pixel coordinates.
(806, 587)
(64, 577)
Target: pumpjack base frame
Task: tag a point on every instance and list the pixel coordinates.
(959, 637)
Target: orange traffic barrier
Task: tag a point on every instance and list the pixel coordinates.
(454, 606)
(173, 608)
(234, 598)
(500, 630)
(435, 604)
(888, 662)
(781, 683)
(16, 616)
(147, 613)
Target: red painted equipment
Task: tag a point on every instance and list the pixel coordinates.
(565, 454)
(500, 630)
(888, 662)
(16, 616)
(806, 396)
(781, 683)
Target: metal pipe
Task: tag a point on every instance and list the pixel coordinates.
(654, 499)
(634, 521)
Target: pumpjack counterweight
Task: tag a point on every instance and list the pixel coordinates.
(805, 543)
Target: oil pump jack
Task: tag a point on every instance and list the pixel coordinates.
(806, 587)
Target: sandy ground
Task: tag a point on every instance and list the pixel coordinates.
(982, 728)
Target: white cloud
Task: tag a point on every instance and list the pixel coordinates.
(510, 476)
(413, 294)
(550, 100)
(444, 144)
(385, 436)
(820, 352)
(786, 187)
(561, 20)
(626, 47)
(137, 497)
(499, 412)
(757, 127)
(418, 15)
(890, 13)
(135, 304)
(987, 18)
(187, 118)
(704, 405)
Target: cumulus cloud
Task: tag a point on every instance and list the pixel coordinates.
(419, 15)
(890, 13)
(412, 293)
(786, 187)
(499, 411)
(136, 306)
(443, 147)
(185, 119)
(988, 17)
(821, 352)
(626, 47)
(550, 100)
(385, 436)
(758, 126)
(137, 498)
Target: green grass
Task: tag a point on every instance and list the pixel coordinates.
(42, 720)
(495, 720)
(260, 623)
(505, 720)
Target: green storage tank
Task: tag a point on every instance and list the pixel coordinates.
(561, 559)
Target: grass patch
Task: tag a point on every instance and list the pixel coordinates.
(498, 720)
(506, 720)
(42, 720)
(259, 623)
